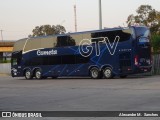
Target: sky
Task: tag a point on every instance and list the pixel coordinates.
(19, 17)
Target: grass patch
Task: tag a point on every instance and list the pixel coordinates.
(5, 61)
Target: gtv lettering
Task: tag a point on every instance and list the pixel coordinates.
(86, 47)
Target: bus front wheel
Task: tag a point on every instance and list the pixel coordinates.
(95, 73)
(107, 73)
(28, 74)
(38, 74)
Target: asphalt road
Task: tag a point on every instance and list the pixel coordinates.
(80, 94)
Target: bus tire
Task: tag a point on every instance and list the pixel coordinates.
(107, 73)
(95, 73)
(38, 74)
(123, 76)
(28, 74)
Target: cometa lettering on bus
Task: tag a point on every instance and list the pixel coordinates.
(51, 52)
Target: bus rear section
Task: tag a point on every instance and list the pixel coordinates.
(143, 58)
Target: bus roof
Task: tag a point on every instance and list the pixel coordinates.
(82, 32)
(20, 44)
(91, 31)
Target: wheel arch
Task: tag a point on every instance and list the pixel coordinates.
(90, 67)
(34, 69)
(24, 70)
(106, 66)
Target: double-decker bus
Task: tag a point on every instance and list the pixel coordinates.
(99, 54)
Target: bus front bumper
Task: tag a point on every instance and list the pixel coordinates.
(16, 73)
(143, 69)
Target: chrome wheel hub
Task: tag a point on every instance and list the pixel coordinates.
(107, 73)
(38, 74)
(28, 74)
(94, 73)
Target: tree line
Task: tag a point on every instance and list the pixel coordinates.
(45, 30)
(146, 15)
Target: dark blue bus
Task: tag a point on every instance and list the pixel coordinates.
(99, 54)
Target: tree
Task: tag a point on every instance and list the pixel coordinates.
(156, 43)
(147, 16)
(45, 30)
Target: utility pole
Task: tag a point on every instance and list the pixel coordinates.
(1, 35)
(100, 15)
(75, 17)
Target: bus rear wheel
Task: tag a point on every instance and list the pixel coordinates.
(28, 74)
(95, 73)
(107, 73)
(38, 74)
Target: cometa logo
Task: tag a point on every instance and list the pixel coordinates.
(51, 52)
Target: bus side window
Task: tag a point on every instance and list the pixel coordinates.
(111, 35)
(54, 60)
(54, 41)
(62, 41)
(68, 59)
(71, 41)
(76, 39)
(80, 59)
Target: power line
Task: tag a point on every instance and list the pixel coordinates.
(100, 15)
(75, 17)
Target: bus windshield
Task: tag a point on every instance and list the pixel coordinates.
(16, 58)
(143, 35)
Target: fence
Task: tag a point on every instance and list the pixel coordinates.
(156, 65)
(5, 68)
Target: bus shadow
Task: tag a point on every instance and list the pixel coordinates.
(60, 78)
(138, 76)
(88, 78)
